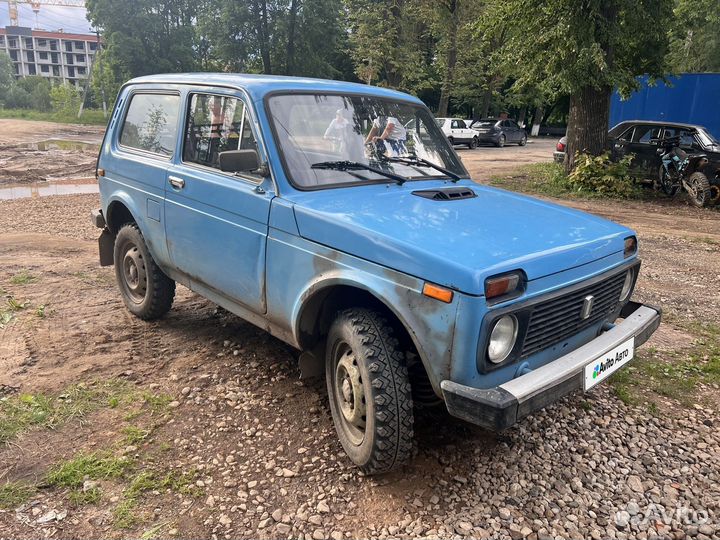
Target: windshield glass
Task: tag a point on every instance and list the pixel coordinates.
(323, 129)
(706, 138)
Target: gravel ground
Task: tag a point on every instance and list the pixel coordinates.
(260, 447)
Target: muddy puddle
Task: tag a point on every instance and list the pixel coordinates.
(46, 188)
(48, 160)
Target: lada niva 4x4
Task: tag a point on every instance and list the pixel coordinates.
(338, 218)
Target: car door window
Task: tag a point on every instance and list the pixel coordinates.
(151, 123)
(687, 137)
(455, 124)
(215, 124)
(627, 135)
(645, 134)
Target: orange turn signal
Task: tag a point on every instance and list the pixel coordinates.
(438, 293)
(501, 285)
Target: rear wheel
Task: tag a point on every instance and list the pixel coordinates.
(667, 186)
(715, 193)
(369, 391)
(699, 191)
(501, 141)
(473, 144)
(147, 292)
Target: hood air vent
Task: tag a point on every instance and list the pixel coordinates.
(446, 194)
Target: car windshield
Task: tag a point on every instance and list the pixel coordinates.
(706, 138)
(330, 140)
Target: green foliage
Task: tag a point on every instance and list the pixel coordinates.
(13, 494)
(26, 411)
(23, 278)
(694, 39)
(65, 99)
(38, 89)
(89, 116)
(96, 466)
(602, 176)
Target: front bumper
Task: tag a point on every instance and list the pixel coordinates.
(502, 406)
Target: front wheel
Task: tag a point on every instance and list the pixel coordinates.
(523, 141)
(147, 292)
(369, 391)
(699, 189)
(473, 144)
(451, 141)
(501, 141)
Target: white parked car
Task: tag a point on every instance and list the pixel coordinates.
(458, 132)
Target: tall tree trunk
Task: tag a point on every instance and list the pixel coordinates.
(261, 29)
(537, 121)
(587, 123)
(451, 59)
(521, 116)
(292, 22)
(485, 107)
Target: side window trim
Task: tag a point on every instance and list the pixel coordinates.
(125, 106)
(253, 180)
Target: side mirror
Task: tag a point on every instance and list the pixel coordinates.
(239, 161)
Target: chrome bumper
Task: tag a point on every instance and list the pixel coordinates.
(502, 406)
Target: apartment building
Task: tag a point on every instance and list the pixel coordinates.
(58, 55)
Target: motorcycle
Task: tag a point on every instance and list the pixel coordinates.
(682, 170)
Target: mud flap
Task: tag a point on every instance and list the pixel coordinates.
(106, 246)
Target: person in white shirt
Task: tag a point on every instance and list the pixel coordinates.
(337, 131)
(388, 132)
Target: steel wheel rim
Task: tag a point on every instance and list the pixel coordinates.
(134, 274)
(349, 394)
(698, 193)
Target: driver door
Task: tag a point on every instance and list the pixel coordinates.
(217, 222)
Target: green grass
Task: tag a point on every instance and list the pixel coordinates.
(27, 411)
(13, 494)
(550, 180)
(135, 435)
(674, 375)
(23, 278)
(96, 466)
(89, 116)
(81, 498)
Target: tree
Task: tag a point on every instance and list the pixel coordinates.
(38, 89)
(585, 49)
(7, 76)
(694, 39)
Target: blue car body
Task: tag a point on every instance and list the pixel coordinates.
(273, 253)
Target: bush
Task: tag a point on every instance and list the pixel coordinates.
(602, 176)
(17, 98)
(65, 99)
(39, 90)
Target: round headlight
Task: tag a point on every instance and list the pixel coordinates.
(502, 338)
(627, 285)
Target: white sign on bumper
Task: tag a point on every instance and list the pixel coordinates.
(600, 369)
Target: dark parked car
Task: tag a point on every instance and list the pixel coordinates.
(499, 132)
(639, 137)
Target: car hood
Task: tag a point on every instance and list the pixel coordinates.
(455, 243)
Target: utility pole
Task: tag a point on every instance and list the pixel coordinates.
(102, 79)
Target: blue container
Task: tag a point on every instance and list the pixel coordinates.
(692, 98)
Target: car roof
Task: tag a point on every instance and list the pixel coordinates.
(657, 123)
(258, 86)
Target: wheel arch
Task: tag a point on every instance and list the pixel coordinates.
(314, 315)
(120, 211)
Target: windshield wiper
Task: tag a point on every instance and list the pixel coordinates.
(417, 161)
(356, 166)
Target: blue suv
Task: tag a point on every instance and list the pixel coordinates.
(337, 217)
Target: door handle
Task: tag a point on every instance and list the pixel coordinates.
(176, 182)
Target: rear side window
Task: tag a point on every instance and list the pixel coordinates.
(645, 134)
(151, 123)
(216, 124)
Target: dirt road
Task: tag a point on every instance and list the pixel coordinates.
(197, 426)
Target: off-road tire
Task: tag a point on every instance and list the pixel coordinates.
(670, 191)
(715, 193)
(387, 440)
(154, 299)
(702, 194)
(473, 144)
(501, 141)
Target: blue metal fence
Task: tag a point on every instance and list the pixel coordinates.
(692, 98)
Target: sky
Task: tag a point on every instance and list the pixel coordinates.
(70, 19)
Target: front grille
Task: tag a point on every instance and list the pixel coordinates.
(554, 320)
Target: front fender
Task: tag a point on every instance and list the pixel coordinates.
(317, 269)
